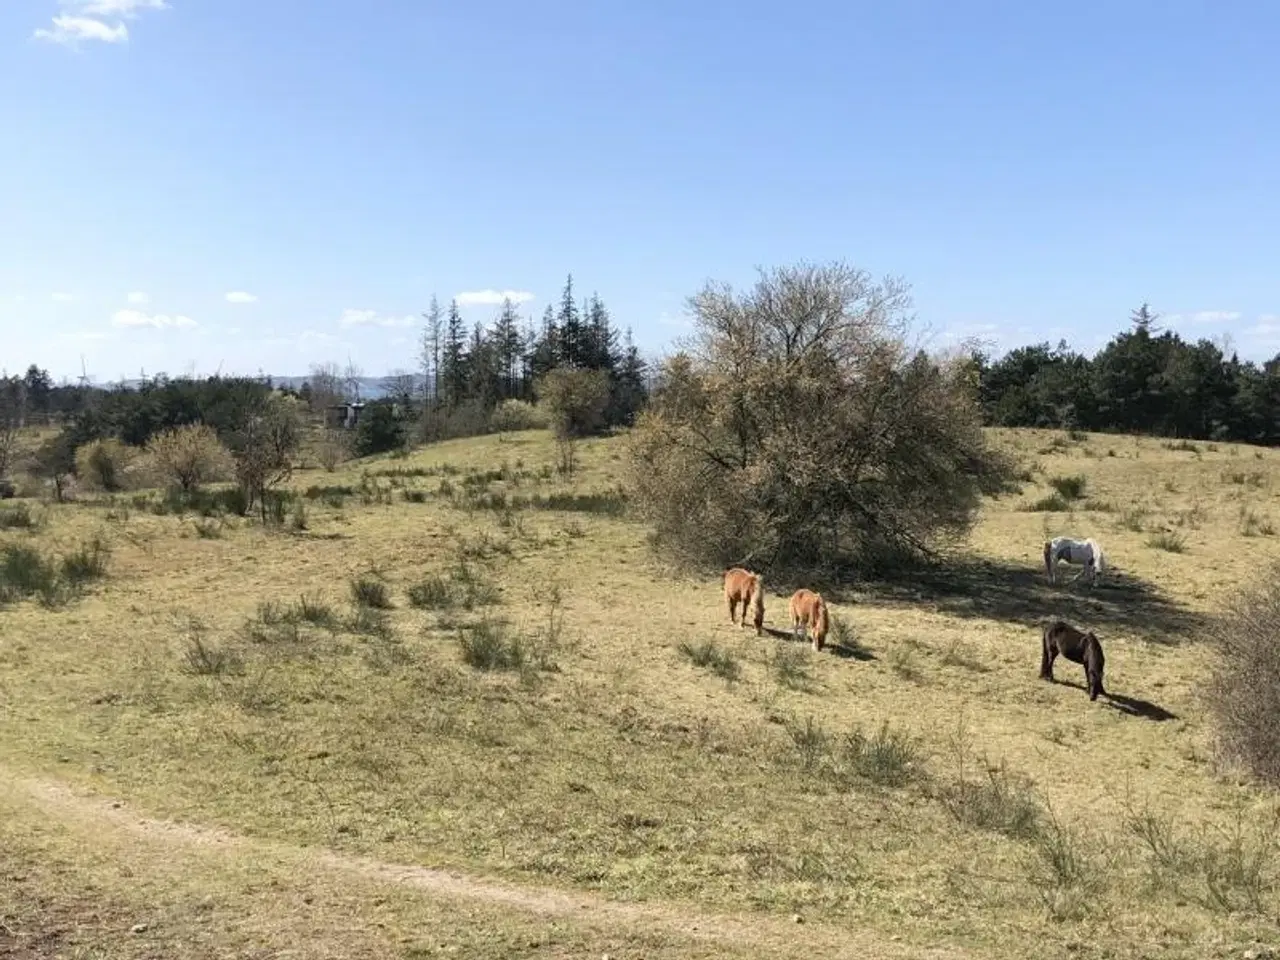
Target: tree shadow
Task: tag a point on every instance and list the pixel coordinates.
(845, 651)
(1132, 706)
(1002, 591)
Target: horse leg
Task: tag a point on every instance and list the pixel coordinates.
(733, 608)
(1047, 655)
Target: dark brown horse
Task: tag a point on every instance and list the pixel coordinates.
(1078, 647)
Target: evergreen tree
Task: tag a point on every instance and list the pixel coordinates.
(628, 385)
(602, 339)
(509, 348)
(484, 375)
(544, 355)
(453, 359)
(572, 334)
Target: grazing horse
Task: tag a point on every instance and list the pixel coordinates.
(1082, 553)
(809, 610)
(747, 588)
(1083, 648)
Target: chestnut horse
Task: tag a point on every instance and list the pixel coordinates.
(1078, 647)
(809, 611)
(747, 588)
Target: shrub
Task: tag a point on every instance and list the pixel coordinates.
(24, 572)
(379, 430)
(1069, 488)
(102, 464)
(430, 594)
(55, 461)
(490, 645)
(1244, 690)
(264, 446)
(575, 402)
(370, 592)
(18, 517)
(1170, 542)
(89, 562)
(469, 418)
(708, 655)
(190, 456)
(512, 415)
(333, 448)
(801, 429)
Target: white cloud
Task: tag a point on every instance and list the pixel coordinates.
(136, 318)
(85, 20)
(1200, 318)
(71, 30)
(370, 318)
(115, 8)
(239, 296)
(492, 298)
(63, 298)
(139, 297)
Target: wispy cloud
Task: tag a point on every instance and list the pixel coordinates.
(63, 298)
(1200, 318)
(70, 31)
(136, 318)
(239, 296)
(115, 8)
(139, 297)
(371, 318)
(492, 298)
(95, 20)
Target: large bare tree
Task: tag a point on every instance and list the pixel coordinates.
(798, 430)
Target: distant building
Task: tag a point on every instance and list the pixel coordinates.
(343, 416)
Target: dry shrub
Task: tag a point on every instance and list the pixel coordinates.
(575, 401)
(265, 446)
(1244, 690)
(105, 464)
(512, 415)
(333, 448)
(190, 455)
(801, 432)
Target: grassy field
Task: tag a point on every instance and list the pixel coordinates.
(453, 706)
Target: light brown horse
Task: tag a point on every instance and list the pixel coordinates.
(809, 612)
(747, 588)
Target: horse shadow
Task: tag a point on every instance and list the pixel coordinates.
(845, 651)
(1132, 706)
(998, 590)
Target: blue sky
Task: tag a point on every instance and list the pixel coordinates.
(1033, 170)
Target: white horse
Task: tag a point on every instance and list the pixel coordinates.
(1083, 553)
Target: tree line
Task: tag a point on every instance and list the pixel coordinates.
(1143, 380)
(464, 372)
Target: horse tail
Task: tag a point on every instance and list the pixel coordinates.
(757, 601)
(1048, 562)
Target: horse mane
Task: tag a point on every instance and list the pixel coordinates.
(820, 617)
(757, 592)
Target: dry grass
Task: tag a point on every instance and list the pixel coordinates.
(243, 682)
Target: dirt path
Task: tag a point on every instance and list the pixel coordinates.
(772, 935)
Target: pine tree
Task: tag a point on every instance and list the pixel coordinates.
(429, 358)
(602, 339)
(544, 355)
(509, 348)
(569, 322)
(483, 373)
(453, 360)
(629, 389)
